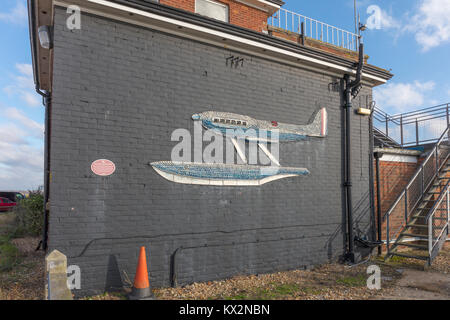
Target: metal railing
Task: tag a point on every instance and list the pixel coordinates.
(438, 221)
(406, 203)
(413, 128)
(294, 22)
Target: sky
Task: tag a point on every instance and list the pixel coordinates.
(412, 39)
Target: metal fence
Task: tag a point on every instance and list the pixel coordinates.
(399, 214)
(294, 22)
(413, 128)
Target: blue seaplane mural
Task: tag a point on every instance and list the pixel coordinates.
(249, 129)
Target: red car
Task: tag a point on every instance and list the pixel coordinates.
(6, 204)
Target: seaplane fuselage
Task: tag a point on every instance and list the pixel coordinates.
(241, 126)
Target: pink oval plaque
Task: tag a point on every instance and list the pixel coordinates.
(103, 167)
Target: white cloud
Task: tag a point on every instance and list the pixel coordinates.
(36, 128)
(23, 85)
(12, 134)
(17, 15)
(380, 19)
(21, 163)
(431, 24)
(401, 97)
(25, 69)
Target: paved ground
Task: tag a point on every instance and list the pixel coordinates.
(413, 285)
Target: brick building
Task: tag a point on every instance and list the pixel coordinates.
(116, 89)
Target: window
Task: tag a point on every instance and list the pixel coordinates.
(212, 9)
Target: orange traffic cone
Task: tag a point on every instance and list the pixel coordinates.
(141, 288)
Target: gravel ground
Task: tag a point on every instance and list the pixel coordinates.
(328, 282)
(401, 279)
(26, 280)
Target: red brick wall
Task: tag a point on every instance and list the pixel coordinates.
(394, 176)
(239, 13)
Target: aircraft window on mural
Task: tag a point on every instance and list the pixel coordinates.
(244, 123)
(216, 120)
(238, 122)
(228, 121)
(233, 121)
(222, 120)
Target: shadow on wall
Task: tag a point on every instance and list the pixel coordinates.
(113, 278)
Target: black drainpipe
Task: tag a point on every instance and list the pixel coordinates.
(46, 98)
(351, 91)
(377, 156)
(371, 178)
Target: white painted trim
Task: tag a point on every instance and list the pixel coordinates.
(398, 158)
(219, 34)
(254, 6)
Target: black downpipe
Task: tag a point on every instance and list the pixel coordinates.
(377, 160)
(348, 182)
(371, 179)
(46, 98)
(47, 102)
(351, 90)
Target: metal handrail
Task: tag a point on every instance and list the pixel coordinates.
(424, 187)
(405, 122)
(297, 23)
(429, 222)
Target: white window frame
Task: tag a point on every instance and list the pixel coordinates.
(227, 9)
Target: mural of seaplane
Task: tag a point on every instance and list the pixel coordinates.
(235, 126)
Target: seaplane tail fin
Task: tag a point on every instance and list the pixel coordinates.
(319, 125)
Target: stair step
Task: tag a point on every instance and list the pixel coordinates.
(444, 178)
(414, 235)
(412, 225)
(409, 256)
(417, 246)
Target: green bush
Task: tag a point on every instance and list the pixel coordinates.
(30, 215)
(9, 254)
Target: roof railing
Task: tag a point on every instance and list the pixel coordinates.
(414, 128)
(293, 22)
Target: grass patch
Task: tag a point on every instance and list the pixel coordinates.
(9, 254)
(108, 296)
(274, 291)
(353, 281)
(311, 291)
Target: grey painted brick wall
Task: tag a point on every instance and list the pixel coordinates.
(118, 93)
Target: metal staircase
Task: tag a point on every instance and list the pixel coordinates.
(419, 218)
(383, 141)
